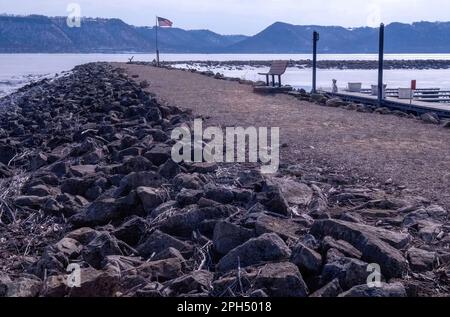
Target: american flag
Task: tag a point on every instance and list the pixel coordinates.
(162, 22)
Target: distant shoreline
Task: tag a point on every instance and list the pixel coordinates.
(328, 64)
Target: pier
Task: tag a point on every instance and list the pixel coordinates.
(420, 104)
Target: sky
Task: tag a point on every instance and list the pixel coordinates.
(243, 16)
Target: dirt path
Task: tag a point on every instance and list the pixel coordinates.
(409, 152)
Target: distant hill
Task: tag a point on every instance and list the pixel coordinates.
(40, 34)
(420, 37)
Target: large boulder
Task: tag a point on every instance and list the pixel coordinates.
(308, 260)
(268, 247)
(151, 197)
(285, 228)
(373, 243)
(22, 286)
(99, 213)
(131, 231)
(349, 272)
(99, 248)
(294, 192)
(421, 260)
(281, 280)
(342, 246)
(228, 236)
(159, 154)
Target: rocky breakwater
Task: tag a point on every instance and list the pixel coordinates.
(87, 183)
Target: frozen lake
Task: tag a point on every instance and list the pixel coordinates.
(18, 69)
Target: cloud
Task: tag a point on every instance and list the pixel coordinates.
(245, 16)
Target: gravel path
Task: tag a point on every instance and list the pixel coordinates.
(407, 151)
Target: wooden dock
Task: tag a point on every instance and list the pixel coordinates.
(427, 95)
(417, 107)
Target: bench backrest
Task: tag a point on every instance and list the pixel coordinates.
(278, 67)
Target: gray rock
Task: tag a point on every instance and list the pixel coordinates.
(131, 231)
(228, 236)
(94, 283)
(219, 194)
(189, 197)
(281, 280)
(168, 254)
(50, 263)
(161, 270)
(151, 197)
(197, 281)
(319, 98)
(272, 198)
(99, 248)
(203, 168)
(69, 247)
(168, 206)
(342, 246)
(268, 247)
(134, 164)
(370, 242)
(335, 102)
(83, 235)
(159, 154)
(421, 260)
(308, 260)
(41, 191)
(332, 289)
(22, 286)
(169, 169)
(158, 242)
(37, 161)
(34, 202)
(430, 117)
(386, 290)
(349, 272)
(83, 170)
(98, 213)
(188, 181)
(286, 229)
(294, 192)
(139, 179)
(183, 223)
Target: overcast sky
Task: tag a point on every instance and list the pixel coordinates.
(244, 16)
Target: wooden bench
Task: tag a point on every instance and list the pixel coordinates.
(277, 68)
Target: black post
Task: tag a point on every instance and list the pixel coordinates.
(314, 80)
(157, 49)
(381, 67)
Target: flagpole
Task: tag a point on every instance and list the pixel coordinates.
(157, 49)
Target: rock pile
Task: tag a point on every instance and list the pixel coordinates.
(325, 99)
(87, 179)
